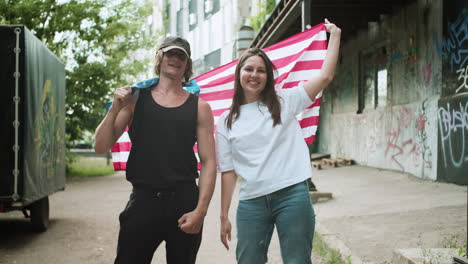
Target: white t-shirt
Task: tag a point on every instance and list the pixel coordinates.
(266, 158)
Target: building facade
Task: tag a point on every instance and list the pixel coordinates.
(399, 97)
(212, 27)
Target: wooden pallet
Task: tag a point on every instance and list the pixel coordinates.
(344, 161)
(330, 162)
(317, 164)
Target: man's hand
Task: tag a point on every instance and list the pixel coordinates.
(192, 222)
(121, 96)
(225, 231)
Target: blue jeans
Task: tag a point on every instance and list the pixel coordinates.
(291, 211)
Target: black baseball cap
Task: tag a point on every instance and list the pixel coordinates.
(175, 43)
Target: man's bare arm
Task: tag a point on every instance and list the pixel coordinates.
(206, 153)
(191, 222)
(113, 125)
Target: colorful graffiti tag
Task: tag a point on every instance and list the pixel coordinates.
(48, 131)
(400, 134)
(463, 75)
(453, 122)
(452, 48)
(453, 134)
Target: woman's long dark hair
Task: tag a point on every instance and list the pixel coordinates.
(268, 96)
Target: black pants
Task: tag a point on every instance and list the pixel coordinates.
(149, 218)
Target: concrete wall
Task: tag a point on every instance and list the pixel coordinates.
(452, 47)
(401, 129)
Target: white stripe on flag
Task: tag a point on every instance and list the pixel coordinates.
(314, 111)
(120, 156)
(308, 56)
(223, 87)
(124, 138)
(222, 74)
(220, 104)
(291, 49)
(309, 131)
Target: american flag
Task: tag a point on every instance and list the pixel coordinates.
(296, 58)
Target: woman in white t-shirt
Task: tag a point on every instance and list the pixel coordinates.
(260, 141)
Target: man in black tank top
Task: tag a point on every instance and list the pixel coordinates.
(164, 123)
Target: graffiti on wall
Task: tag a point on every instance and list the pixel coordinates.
(453, 137)
(427, 73)
(422, 121)
(48, 130)
(451, 48)
(400, 146)
(453, 124)
(408, 55)
(462, 77)
(401, 136)
(452, 156)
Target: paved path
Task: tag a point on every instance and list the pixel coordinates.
(84, 228)
(374, 212)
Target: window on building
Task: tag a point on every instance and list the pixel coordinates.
(212, 60)
(167, 15)
(198, 67)
(373, 86)
(179, 23)
(193, 14)
(210, 7)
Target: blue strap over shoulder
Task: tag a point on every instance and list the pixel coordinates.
(191, 87)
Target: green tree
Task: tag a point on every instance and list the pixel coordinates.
(96, 39)
(266, 7)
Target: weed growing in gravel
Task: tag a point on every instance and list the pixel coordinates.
(328, 255)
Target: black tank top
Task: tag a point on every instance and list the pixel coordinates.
(162, 142)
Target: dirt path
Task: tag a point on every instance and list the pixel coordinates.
(84, 228)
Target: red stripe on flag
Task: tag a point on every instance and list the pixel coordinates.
(310, 140)
(215, 71)
(281, 62)
(316, 103)
(218, 82)
(219, 112)
(218, 95)
(309, 121)
(121, 147)
(120, 166)
(300, 66)
(288, 85)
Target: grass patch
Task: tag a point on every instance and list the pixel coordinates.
(89, 167)
(327, 254)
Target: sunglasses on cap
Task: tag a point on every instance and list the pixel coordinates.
(176, 53)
